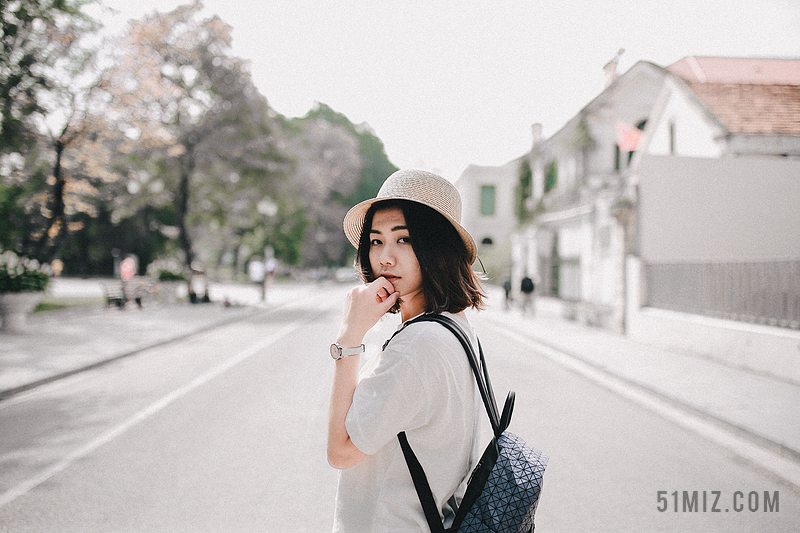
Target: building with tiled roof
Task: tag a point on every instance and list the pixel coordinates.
(749, 96)
(674, 189)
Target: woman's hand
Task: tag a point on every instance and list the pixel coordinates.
(363, 307)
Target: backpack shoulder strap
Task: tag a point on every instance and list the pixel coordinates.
(421, 485)
(499, 425)
(477, 365)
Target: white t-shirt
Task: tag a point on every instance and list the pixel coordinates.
(421, 384)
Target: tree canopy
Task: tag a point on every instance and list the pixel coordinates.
(39, 42)
(162, 145)
(46, 74)
(200, 135)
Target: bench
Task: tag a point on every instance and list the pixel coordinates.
(119, 293)
(115, 294)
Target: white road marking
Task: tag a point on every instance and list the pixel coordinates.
(103, 439)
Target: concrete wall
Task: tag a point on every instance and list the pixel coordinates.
(729, 209)
(726, 210)
(768, 350)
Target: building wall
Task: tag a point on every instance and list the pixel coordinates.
(574, 239)
(605, 287)
(784, 145)
(579, 209)
(729, 209)
(499, 226)
(680, 126)
(630, 101)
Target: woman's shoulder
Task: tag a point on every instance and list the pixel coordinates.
(459, 319)
(432, 334)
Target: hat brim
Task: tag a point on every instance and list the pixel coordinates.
(354, 223)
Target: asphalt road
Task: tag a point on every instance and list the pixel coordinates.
(225, 431)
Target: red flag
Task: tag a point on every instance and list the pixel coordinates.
(627, 137)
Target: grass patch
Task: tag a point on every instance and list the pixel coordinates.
(53, 304)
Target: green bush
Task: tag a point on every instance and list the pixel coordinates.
(167, 275)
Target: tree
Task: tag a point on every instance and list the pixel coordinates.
(375, 167)
(197, 127)
(338, 164)
(43, 66)
(79, 163)
(37, 37)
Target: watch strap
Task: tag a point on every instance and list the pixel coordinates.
(345, 352)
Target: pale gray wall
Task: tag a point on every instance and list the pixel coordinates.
(730, 209)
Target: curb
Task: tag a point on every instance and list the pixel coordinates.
(8, 393)
(676, 402)
(756, 438)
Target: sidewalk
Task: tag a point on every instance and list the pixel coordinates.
(762, 409)
(58, 343)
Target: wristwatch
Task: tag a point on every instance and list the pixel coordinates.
(337, 352)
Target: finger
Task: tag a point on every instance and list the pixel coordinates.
(387, 294)
(379, 289)
(390, 300)
(395, 295)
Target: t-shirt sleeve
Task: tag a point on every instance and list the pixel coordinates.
(391, 399)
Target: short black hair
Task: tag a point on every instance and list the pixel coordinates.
(448, 281)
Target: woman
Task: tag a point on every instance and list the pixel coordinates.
(414, 258)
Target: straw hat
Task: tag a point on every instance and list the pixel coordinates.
(417, 186)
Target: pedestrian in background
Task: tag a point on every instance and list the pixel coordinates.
(255, 270)
(527, 289)
(507, 289)
(414, 257)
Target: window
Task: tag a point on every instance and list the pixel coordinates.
(552, 176)
(640, 126)
(671, 138)
(523, 190)
(487, 200)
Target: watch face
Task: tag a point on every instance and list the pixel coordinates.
(336, 351)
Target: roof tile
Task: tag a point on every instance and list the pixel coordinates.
(751, 96)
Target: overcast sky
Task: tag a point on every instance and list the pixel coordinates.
(447, 84)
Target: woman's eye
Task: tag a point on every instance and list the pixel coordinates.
(374, 242)
(404, 240)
